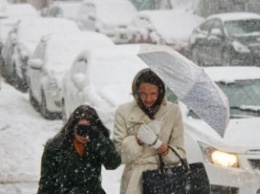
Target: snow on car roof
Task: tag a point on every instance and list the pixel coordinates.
(121, 58)
(180, 29)
(235, 16)
(23, 9)
(231, 74)
(114, 12)
(69, 8)
(62, 49)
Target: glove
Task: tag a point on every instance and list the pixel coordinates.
(156, 125)
(87, 130)
(148, 136)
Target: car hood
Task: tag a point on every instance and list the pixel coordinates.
(240, 136)
(244, 131)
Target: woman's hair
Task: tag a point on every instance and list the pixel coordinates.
(148, 76)
(84, 112)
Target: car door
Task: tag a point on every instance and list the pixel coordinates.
(200, 41)
(74, 97)
(215, 42)
(35, 74)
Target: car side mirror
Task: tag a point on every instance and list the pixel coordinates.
(79, 80)
(216, 32)
(91, 17)
(35, 63)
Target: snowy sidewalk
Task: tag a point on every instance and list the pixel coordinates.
(23, 133)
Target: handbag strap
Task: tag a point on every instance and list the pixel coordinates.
(184, 162)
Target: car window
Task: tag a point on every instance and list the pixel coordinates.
(242, 95)
(206, 26)
(79, 66)
(216, 24)
(40, 51)
(242, 27)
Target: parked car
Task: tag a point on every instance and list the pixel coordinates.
(109, 17)
(18, 10)
(227, 39)
(163, 27)
(5, 26)
(53, 56)
(22, 41)
(101, 78)
(232, 162)
(62, 9)
(206, 8)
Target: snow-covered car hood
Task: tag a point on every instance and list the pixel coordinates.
(244, 131)
(241, 134)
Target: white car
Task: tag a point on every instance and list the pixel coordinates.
(101, 78)
(18, 10)
(62, 9)
(53, 56)
(22, 41)
(109, 17)
(163, 27)
(232, 162)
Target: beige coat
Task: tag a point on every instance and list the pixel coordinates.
(138, 158)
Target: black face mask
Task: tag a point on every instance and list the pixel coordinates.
(87, 130)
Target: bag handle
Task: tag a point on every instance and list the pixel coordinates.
(184, 162)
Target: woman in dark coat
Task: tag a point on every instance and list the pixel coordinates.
(72, 160)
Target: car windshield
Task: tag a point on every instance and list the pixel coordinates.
(242, 27)
(244, 97)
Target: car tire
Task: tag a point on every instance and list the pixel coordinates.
(44, 111)
(33, 101)
(226, 58)
(14, 78)
(195, 56)
(63, 111)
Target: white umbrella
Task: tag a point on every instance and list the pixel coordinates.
(190, 84)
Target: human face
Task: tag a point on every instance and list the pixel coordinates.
(82, 139)
(148, 94)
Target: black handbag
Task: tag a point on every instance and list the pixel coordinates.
(183, 179)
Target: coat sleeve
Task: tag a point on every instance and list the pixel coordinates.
(176, 140)
(126, 145)
(48, 172)
(108, 153)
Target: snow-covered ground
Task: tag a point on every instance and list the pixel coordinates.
(23, 133)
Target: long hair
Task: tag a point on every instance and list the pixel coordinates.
(84, 112)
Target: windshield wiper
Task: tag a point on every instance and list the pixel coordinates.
(247, 109)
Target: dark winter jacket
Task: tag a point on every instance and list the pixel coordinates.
(65, 172)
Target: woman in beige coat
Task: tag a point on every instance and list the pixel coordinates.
(145, 128)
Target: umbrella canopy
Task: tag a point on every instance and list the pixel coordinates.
(190, 84)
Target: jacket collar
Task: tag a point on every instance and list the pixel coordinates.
(138, 116)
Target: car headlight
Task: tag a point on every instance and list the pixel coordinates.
(241, 48)
(218, 157)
